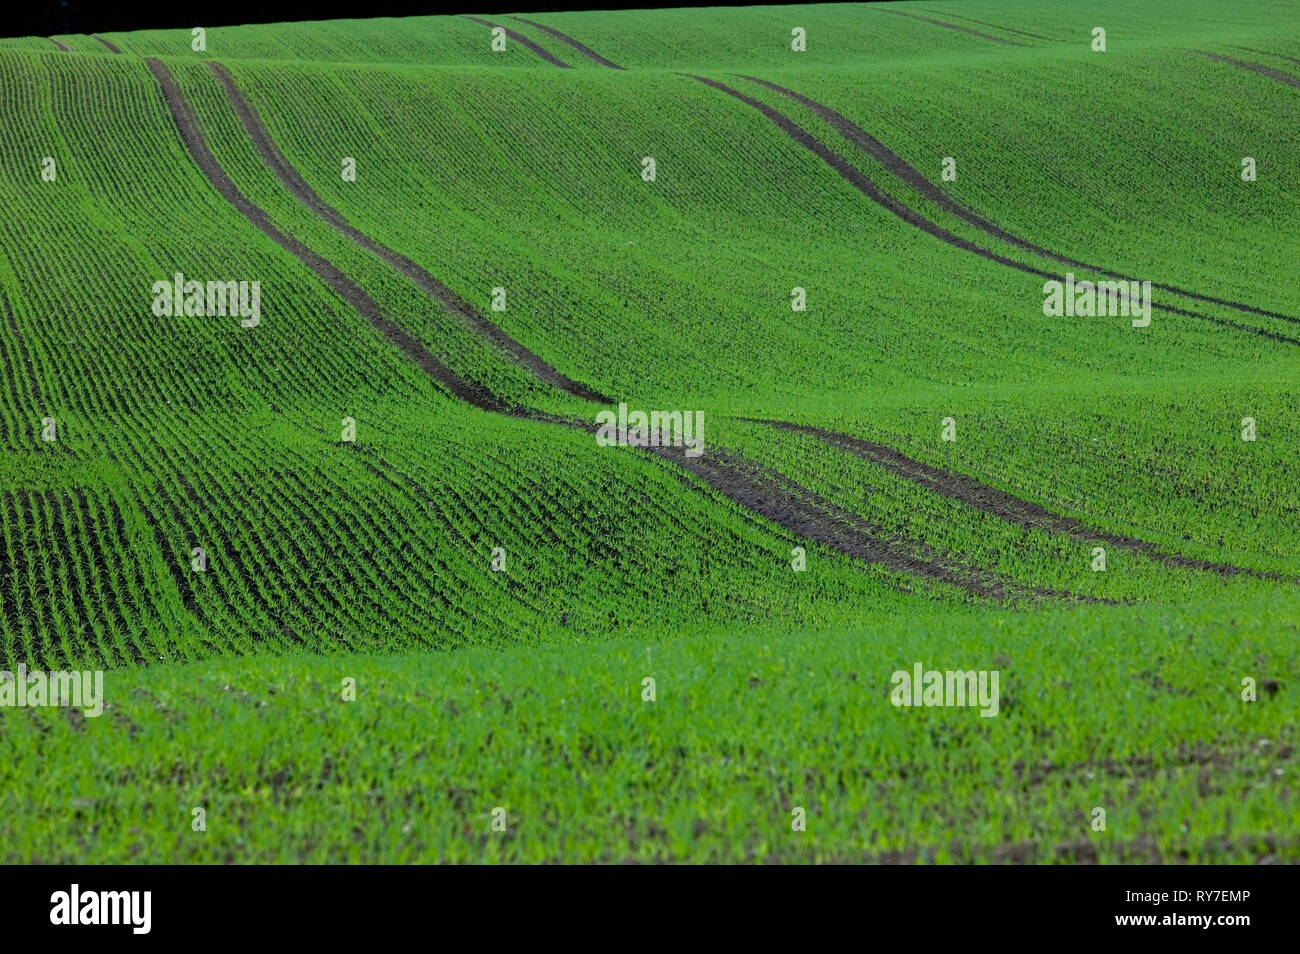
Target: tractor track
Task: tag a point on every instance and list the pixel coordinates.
(860, 181)
(753, 487)
(347, 289)
(996, 26)
(64, 47)
(111, 48)
(1280, 75)
(293, 181)
(520, 38)
(908, 173)
(953, 26)
(1280, 56)
(999, 503)
(582, 48)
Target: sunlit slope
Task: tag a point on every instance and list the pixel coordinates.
(180, 432)
(531, 182)
(546, 170)
(1158, 517)
(901, 329)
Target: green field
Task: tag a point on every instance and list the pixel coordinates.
(428, 598)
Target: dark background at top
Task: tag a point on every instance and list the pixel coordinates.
(49, 17)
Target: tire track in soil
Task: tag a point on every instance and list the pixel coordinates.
(996, 26)
(812, 517)
(1280, 56)
(999, 503)
(111, 47)
(347, 289)
(1279, 75)
(758, 489)
(61, 46)
(585, 50)
(902, 169)
(859, 180)
(520, 38)
(957, 486)
(291, 179)
(953, 26)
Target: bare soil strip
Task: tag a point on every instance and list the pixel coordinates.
(585, 50)
(352, 293)
(294, 182)
(855, 177)
(1280, 56)
(111, 47)
(953, 26)
(65, 48)
(520, 38)
(917, 180)
(996, 26)
(1260, 68)
(800, 510)
(787, 504)
(1001, 504)
(757, 489)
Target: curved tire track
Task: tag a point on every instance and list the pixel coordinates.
(520, 38)
(111, 47)
(859, 180)
(62, 46)
(291, 179)
(1280, 56)
(996, 26)
(348, 290)
(755, 488)
(1001, 504)
(582, 48)
(954, 26)
(901, 168)
(1280, 75)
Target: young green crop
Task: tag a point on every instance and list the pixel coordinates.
(500, 586)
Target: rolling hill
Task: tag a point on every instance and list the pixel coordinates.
(360, 571)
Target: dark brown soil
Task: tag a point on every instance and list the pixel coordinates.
(105, 42)
(1001, 504)
(859, 180)
(293, 181)
(800, 510)
(65, 49)
(586, 51)
(917, 180)
(520, 38)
